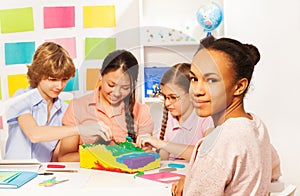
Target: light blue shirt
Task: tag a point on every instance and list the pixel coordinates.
(18, 145)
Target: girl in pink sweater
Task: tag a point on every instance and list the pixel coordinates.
(236, 157)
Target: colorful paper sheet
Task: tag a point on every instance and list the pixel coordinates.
(98, 48)
(68, 43)
(0, 90)
(92, 77)
(16, 20)
(72, 84)
(19, 53)
(59, 17)
(1, 123)
(15, 82)
(163, 177)
(99, 16)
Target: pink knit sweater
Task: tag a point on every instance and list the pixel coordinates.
(234, 159)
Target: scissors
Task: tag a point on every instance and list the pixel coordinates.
(51, 182)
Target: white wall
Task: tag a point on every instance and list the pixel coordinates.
(274, 27)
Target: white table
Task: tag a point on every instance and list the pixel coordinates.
(89, 181)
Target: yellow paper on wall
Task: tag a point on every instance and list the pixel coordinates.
(99, 16)
(15, 82)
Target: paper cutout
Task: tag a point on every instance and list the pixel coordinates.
(99, 16)
(92, 77)
(159, 35)
(163, 177)
(19, 53)
(59, 17)
(72, 84)
(1, 123)
(68, 43)
(16, 20)
(15, 82)
(98, 48)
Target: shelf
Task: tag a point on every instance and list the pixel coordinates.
(152, 100)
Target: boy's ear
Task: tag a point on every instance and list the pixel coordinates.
(241, 86)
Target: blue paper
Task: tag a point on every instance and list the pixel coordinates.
(72, 84)
(19, 53)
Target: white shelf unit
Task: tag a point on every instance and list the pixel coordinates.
(169, 36)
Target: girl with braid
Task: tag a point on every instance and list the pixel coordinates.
(180, 123)
(112, 102)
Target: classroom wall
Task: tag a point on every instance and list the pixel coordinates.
(274, 27)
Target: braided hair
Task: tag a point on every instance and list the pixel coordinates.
(178, 75)
(125, 60)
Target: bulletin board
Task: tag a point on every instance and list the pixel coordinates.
(79, 26)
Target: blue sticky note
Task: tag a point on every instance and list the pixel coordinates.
(72, 84)
(19, 53)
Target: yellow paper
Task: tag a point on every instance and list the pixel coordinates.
(99, 16)
(15, 82)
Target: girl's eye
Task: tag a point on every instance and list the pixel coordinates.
(125, 88)
(110, 85)
(211, 80)
(193, 79)
(65, 79)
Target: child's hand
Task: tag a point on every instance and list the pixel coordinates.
(147, 139)
(177, 187)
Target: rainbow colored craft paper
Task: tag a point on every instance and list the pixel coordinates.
(99, 156)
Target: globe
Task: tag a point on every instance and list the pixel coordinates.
(209, 16)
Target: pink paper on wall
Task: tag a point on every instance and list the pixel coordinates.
(68, 43)
(1, 123)
(59, 17)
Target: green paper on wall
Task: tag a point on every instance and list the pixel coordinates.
(98, 48)
(16, 20)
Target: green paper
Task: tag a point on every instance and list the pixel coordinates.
(16, 20)
(99, 48)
